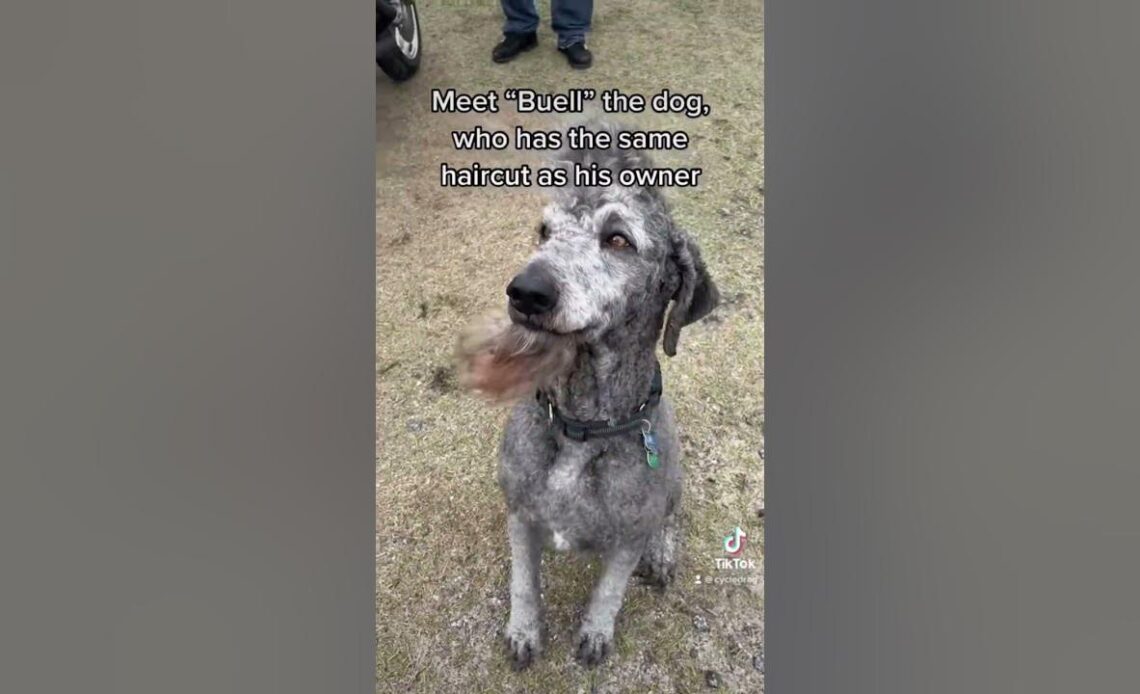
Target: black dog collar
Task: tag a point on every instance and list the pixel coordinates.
(598, 429)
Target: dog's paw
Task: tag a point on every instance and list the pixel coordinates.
(593, 647)
(523, 647)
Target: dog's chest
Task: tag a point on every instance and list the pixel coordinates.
(590, 495)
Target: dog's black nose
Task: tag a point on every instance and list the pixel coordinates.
(533, 291)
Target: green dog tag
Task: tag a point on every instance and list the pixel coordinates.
(651, 451)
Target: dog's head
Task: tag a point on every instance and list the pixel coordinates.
(610, 258)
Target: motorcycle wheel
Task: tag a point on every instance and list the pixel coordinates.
(398, 47)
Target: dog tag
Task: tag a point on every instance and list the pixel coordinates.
(650, 441)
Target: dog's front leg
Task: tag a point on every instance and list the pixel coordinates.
(596, 637)
(524, 630)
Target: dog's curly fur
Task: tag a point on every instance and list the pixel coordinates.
(594, 355)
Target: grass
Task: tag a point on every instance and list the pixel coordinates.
(444, 255)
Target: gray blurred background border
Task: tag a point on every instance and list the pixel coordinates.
(186, 292)
(953, 336)
(186, 396)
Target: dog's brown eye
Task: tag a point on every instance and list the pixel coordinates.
(618, 242)
(543, 232)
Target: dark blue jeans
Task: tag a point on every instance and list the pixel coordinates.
(570, 19)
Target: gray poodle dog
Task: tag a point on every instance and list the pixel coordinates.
(590, 460)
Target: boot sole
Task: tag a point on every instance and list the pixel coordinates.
(511, 57)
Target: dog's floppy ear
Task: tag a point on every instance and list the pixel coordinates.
(696, 296)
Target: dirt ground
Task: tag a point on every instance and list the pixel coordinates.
(445, 255)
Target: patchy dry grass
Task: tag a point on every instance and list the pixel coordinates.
(444, 255)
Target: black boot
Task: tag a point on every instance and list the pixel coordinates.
(578, 55)
(512, 45)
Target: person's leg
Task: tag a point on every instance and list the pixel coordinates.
(519, 30)
(570, 19)
(521, 16)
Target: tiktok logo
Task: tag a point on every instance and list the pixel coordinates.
(734, 542)
(733, 546)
